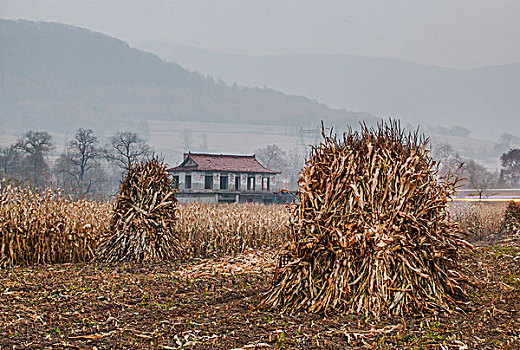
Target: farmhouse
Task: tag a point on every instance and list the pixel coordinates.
(223, 178)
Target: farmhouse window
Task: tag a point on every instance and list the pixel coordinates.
(237, 183)
(188, 182)
(223, 182)
(208, 182)
(251, 183)
(176, 181)
(266, 186)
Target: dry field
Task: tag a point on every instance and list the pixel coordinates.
(51, 227)
(48, 227)
(208, 300)
(480, 221)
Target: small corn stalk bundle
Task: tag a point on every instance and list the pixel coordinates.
(511, 225)
(371, 232)
(143, 221)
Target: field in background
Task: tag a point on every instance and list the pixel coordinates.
(170, 137)
(174, 138)
(50, 227)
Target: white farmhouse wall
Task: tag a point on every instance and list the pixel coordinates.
(197, 180)
(216, 181)
(258, 182)
(231, 181)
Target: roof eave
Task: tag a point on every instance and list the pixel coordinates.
(267, 171)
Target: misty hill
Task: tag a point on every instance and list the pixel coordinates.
(58, 77)
(487, 100)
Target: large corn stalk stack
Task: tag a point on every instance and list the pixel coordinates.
(371, 232)
(143, 221)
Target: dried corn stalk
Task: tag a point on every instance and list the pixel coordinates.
(143, 221)
(43, 227)
(480, 221)
(47, 227)
(212, 230)
(370, 233)
(510, 229)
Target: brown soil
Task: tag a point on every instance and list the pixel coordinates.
(210, 304)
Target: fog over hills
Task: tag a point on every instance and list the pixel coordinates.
(486, 100)
(58, 77)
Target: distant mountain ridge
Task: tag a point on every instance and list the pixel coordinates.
(487, 99)
(56, 76)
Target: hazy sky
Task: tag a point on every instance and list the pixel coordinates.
(459, 33)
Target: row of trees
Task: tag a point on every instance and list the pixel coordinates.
(289, 163)
(85, 166)
(88, 168)
(473, 174)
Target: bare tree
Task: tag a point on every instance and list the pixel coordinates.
(448, 160)
(36, 145)
(477, 176)
(78, 167)
(11, 162)
(272, 156)
(126, 148)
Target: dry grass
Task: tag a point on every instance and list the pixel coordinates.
(51, 227)
(143, 221)
(370, 232)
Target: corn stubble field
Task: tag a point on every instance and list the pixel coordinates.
(83, 274)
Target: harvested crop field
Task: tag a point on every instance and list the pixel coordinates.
(210, 304)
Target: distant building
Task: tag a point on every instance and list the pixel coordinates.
(223, 178)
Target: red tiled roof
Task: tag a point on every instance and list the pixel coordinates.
(222, 162)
